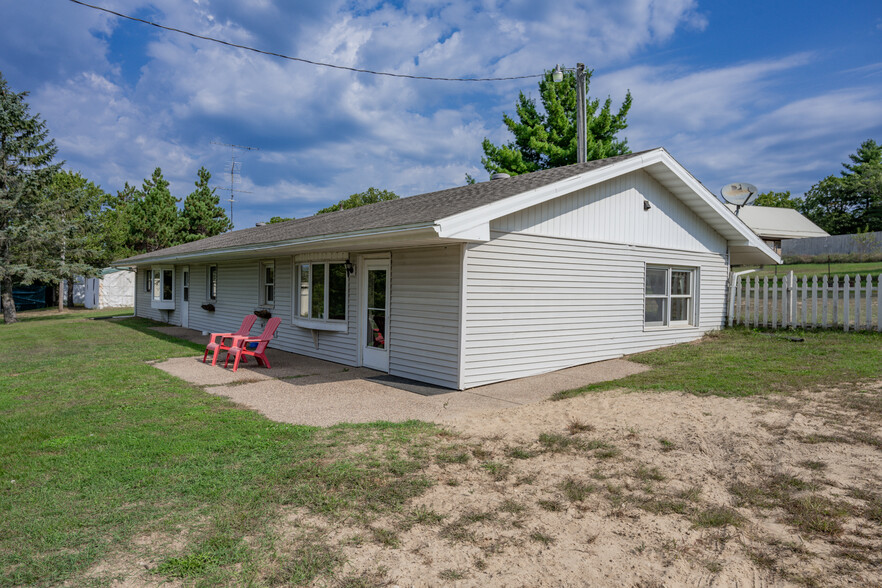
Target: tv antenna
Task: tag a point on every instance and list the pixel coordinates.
(235, 167)
(738, 194)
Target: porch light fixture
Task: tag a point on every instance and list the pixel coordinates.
(350, 269)
(581, 129)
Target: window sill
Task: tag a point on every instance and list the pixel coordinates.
(170, 305)
(317, 325)
(670, 328)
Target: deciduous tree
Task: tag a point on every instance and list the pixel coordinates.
(776, 200)
(369, 196)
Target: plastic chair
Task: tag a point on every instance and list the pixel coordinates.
(242, 346)
(216, 341)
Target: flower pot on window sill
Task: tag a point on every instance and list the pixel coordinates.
(263, 313)
(208, 307)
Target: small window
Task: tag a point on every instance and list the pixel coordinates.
(148, 280)
(212, 282)
(163, 287)
(267, 283)
(321, 291)
(668, 296)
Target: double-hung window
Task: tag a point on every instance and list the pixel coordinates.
(267, 283)
(320, 294)
(669, 296)
(163, 287)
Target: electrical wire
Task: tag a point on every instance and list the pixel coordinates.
(300, 59)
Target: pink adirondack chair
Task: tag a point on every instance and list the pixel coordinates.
(216, 341)
(253, 346)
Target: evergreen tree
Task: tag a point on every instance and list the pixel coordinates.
(547, 138)
(28, 218)
(279, 219)
(154, 219)
(202, 215)
(81, 249)
(369, 196)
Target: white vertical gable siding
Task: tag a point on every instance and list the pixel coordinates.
(613, 212)
(535, 304)
(424, 315)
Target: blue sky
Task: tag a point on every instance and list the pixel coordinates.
(773, 93)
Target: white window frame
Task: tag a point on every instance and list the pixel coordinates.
(263, 299)
(692, 297)
(208, 292)
(318, 323)
(157, 297)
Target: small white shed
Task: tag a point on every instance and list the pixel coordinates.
(114, 288)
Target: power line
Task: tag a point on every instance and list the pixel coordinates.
(300, 59)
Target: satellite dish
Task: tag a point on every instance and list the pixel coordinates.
(738, 193)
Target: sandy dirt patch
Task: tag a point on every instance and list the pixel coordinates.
(628, 489)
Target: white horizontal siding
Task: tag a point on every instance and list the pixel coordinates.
(238, 289)
(143, 299)
(535, 304)
(424, 315)
(613, 212)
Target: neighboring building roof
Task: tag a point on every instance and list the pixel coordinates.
(778, 223)
(464, 213)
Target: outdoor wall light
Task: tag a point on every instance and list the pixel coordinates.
(646, 205)
(350, 269)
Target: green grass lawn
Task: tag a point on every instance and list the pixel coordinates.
(745, 362)
(874, 268)
(98, 449)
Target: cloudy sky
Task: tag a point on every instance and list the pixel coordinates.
(773, 93)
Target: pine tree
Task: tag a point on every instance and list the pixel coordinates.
(82, 249)
(547, 138)
(28, 218)
(202, 215)
(154, 221)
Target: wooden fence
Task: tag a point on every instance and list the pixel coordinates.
(844, 302)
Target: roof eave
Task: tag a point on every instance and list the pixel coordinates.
(352, 240)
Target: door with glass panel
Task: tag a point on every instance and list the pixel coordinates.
(375, 318)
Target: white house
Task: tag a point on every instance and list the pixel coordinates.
(477, 284)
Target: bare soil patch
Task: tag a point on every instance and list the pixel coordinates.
(628, 489)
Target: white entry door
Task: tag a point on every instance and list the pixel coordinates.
(185, 298)
(375, 318)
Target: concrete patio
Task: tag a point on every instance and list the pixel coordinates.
(308, 391)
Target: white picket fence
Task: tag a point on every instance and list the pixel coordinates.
(844, 302)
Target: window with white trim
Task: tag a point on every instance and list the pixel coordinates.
(163, 287)
(267, 283)
(320, 291)
(211, 283)
(148, 280)
(669, 296)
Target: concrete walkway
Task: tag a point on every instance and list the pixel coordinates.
(306, 391)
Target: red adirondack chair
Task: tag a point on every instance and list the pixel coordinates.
(253, 346)
(216, 341)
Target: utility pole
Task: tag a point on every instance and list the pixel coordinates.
(235, 166)
(581, 123)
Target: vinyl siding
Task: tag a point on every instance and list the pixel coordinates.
(237, 295)
(535, 303)
(143, 299)
(424, 315)
(613, 212)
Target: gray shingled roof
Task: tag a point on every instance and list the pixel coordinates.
(424, 208)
